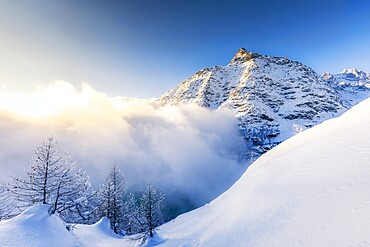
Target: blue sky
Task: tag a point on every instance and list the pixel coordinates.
(144, 48)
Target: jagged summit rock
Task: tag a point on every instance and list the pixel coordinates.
(272, 97)
(243, 56)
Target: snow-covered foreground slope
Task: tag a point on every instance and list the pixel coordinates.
(311, 190)
(35, 228)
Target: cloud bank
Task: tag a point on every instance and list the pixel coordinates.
(191, 153)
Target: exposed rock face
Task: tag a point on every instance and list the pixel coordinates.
(271, 96)
(244, 56)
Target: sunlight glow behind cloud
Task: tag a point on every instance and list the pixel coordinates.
(47, 100)
(189, 151)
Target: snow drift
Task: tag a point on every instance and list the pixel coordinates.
(312, 190)
(36, 228)
(98, 234)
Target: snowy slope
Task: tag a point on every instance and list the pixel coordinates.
(36, 228)
(270, 95)
(311, 190)
(98, 234)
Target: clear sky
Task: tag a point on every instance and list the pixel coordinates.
(143, 48)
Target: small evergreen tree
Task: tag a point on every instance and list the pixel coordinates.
(151, 205)
(6, 202)
(133, 218)
(74, 196)
(51, 179)
(111, 199)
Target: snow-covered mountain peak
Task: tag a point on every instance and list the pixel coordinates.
(269, 95)
(354, 74)
(243, 56)
(348, 76)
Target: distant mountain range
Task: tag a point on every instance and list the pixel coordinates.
(352, 84)
(273, 97)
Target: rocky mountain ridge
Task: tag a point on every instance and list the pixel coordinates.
(273, 97)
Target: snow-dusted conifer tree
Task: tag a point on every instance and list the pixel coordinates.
(134, 220)
(86, 211)
(74, 196)
(51, 179)
(6, 202)
(111, 199)
(151, 205)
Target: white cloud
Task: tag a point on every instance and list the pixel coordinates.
(186, 150)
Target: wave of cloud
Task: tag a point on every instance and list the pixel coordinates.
(186, 150)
